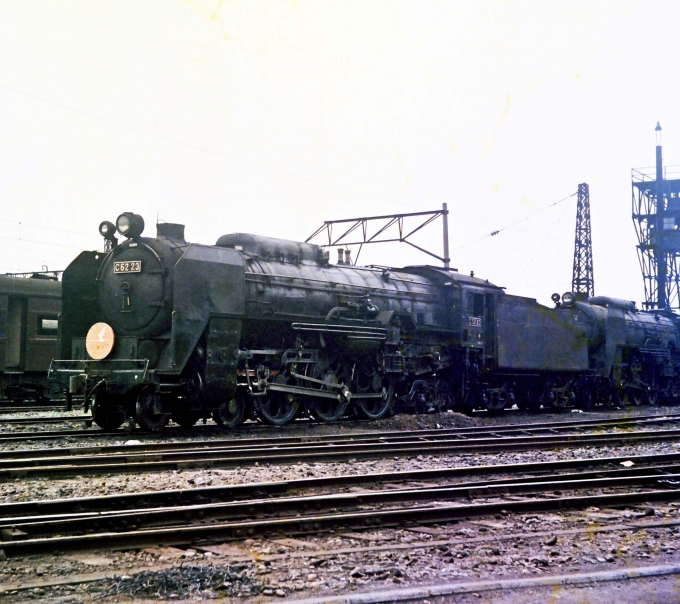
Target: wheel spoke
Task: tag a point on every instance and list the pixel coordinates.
(327, 409)
(367, 382)
(277, 409)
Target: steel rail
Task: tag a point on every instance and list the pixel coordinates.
(27, 409)
(145, 462)
(201, 533)
(188, 451)
(268, 489)
(242, 431)
(44, 420)
(110, 520)
(61, 406)
(355, 438)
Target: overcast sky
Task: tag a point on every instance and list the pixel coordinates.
(270, 117)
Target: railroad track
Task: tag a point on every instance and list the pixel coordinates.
(44, 420)
(202, 516)
(155, 457)
(29, 409)
(245, 431)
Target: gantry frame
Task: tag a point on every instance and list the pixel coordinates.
(351, 225)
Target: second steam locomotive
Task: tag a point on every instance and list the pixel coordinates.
(157, 329)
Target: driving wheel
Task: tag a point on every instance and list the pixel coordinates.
(381, 389)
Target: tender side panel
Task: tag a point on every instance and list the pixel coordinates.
(532, 337)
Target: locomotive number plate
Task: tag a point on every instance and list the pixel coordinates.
(475, 321)
(134, 266)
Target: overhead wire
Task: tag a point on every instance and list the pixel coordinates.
(40, 226)
(540, 247)
(75, 247)
(505, 228)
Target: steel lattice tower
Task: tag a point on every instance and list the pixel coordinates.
(656, 216)
(583, 279)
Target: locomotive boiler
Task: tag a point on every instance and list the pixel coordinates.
(158, 328)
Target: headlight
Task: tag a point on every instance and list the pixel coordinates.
(568, 298)
(107, 229)
(130, 225)
(555, 298)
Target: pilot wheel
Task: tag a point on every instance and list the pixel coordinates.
(103, 415)
(231, 413)
(146, 411)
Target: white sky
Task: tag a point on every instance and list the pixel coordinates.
(272, 116)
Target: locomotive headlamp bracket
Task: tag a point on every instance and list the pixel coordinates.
(108, 231)
(130, 225)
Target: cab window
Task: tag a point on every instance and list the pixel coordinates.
(476, 305)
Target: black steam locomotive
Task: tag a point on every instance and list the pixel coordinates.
(158, 328)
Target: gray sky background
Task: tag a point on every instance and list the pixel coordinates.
(272, 116)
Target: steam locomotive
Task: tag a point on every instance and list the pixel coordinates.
(157, 329)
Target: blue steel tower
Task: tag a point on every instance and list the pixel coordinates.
(656, 216)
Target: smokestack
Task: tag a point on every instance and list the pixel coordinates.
(340, 256)
(348, 258)
(172, 231)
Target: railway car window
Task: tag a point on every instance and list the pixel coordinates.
(48, 325)
(476, 305)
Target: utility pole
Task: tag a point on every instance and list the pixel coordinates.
(583, 280)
